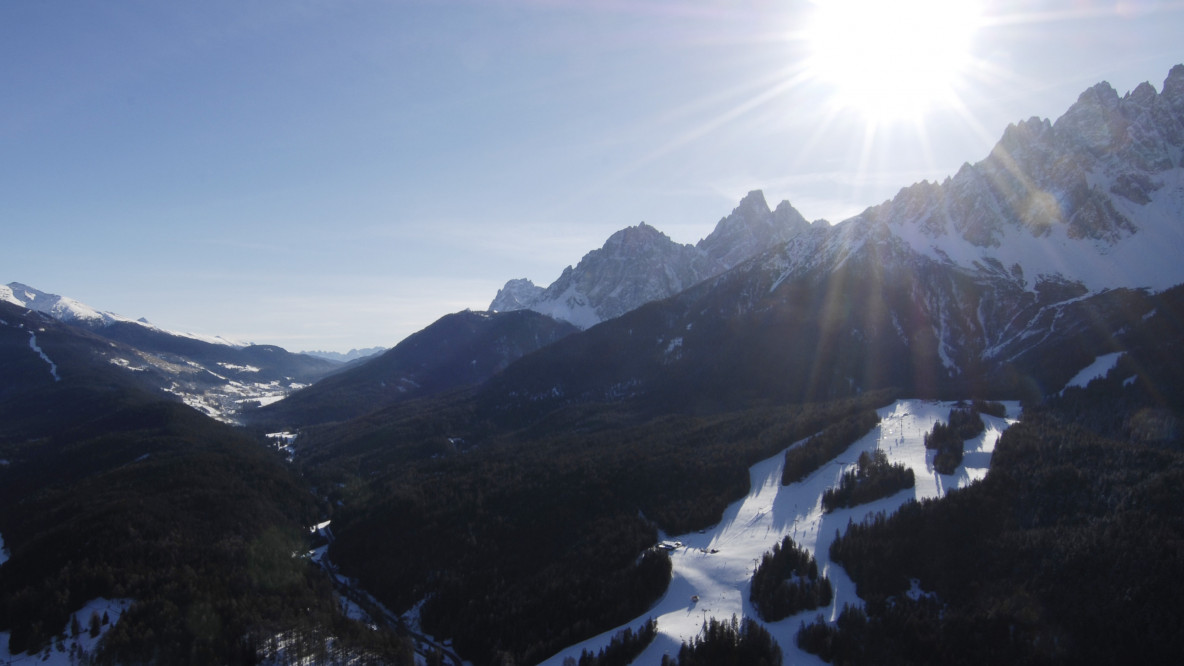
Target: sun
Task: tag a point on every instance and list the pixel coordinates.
(892, 59)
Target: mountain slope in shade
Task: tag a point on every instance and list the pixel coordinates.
(640, 264)
(109, 490)
(457, 351)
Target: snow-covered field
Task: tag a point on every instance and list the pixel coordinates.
(224, 401)
(1101, 366)
(716, 565)
(69, 648)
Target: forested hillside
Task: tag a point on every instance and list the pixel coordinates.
(108, 491)
(528, 541)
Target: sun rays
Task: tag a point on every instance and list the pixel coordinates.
(892, 60)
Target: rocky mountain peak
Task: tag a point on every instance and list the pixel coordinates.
(750, 229)
(638, 239)
(518, 294)
(755, 202)
(1142, 96)
(1093, 122)
(639, 264)
(1173, 86)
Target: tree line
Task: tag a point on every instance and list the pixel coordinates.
(786, 582)
(724, 643)
(622, 649)
(805, 458)
(949, 439)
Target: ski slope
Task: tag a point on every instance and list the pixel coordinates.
(716, 565)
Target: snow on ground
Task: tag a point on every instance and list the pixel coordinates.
(53, 367)
(716, 565)
(223, 402)
(266, 400)
(283, 441)
(241, 368)
(1101, 365)
(67, 649)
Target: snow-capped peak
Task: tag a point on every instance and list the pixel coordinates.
(59, 307)
(518, 294)
(71, 311)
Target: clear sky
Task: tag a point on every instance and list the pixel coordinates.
(328, 175)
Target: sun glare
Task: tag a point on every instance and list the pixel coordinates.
(892, 60)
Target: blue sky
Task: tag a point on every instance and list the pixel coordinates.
(328, 175)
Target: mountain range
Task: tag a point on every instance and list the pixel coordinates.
(1006, 277)
(641, 264)
(211, 374)
(346, 357)
(499, 478)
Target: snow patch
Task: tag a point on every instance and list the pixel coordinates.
(126, 365)
(1101, 365)
(265, 400)
(240, 368)
(283, 441)
(673, 350)
(67, 648)
(915, 592)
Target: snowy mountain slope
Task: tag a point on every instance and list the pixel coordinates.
(716, 565)
(1096, 197)
(71, 311)
(638, 265)
(635, 265)
(216, 377)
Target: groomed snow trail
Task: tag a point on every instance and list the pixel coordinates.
(53, 367)
(721, 580)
